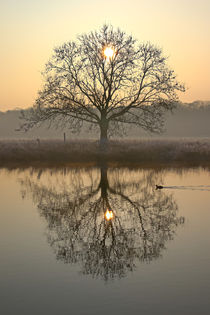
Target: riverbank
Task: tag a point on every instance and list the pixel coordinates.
(192, 152)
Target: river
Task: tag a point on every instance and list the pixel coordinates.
(104, 241)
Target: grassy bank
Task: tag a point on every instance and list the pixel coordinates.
(153, 151)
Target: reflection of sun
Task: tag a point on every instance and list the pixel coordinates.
(109, 215)
(109, 52)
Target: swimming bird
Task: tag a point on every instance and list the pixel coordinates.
(159, 186)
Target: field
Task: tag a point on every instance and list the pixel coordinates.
(135, 152)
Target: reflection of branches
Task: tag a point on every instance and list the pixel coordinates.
(74, 203)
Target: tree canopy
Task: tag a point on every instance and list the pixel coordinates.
(106, 79)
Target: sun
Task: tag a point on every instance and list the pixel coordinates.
(109, 52)
(109, 215)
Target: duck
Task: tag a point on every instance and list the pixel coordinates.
(159, 187)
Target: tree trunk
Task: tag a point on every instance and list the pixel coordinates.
(104, 185)
(104, 133)
(104, 181)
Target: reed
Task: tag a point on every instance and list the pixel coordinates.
(144, 151)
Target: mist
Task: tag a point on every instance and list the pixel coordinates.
(188, 120)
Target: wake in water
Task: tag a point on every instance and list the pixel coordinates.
(199, 187)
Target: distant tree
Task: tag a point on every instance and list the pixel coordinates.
(106, 79)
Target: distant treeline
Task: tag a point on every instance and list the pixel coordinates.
(188, 120)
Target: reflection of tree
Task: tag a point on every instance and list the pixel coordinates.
(74, 203)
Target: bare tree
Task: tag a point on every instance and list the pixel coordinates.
(107, 79)
(79, 231)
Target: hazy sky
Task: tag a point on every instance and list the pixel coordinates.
(30, 29)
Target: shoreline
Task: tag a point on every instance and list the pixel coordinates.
(133, 153)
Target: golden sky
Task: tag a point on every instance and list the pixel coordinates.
(30, 29)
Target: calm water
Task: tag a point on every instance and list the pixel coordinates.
(104, 241)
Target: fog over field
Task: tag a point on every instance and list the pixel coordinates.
(188, 120)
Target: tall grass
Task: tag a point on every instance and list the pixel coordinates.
(145, 151)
